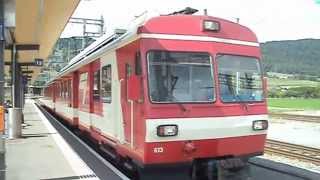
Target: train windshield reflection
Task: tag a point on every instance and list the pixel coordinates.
(239, 78)
(180, 77)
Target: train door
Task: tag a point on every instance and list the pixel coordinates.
(128, 125)
(84, 100)
(53, 95)
(75, 97)
(107, 100)
(111, 123)
(96, 113)
(69, 88)
(133, 84)
(68, 108)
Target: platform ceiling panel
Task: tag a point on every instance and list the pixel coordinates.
(40, 22)
(27, 21)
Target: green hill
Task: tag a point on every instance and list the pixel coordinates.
(292, 57)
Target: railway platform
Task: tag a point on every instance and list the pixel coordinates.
(41, 153)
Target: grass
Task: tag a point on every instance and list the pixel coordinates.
(274, 82)
(304, 104)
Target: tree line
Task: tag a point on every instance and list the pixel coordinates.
(295, 92)
(292, 57)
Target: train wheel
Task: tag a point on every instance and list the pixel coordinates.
(234, 168)
(204, 170)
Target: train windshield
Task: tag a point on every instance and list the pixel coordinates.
(180, 77)
(239, 78)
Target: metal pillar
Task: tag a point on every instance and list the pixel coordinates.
(13, 75)
(17, 87)
(2, 44)
(21, 87)
(15, 113)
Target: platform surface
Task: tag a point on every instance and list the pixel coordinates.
(41, 153)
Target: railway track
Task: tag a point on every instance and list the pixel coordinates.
(293, 151)
(305, 118)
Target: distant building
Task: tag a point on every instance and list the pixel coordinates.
(64, 50)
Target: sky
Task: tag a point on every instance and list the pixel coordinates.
(270, 19)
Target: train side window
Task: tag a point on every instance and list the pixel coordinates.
(69, 89)
(61, 90)
(69, 92)
(106, 84)
(96, 85)
(128, 71)
(65, 91)
(83, 95)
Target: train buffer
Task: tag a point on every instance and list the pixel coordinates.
(42, 153)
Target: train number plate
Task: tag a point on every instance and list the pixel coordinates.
(158, 150)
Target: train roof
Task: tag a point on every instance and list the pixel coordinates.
(155, 24)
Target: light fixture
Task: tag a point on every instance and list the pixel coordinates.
(167, 130)
(260, 125)
(209, 25)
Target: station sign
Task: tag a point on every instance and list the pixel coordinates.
(38, 62)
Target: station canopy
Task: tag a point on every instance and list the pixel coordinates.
(38, 25)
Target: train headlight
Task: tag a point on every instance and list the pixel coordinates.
(259, 125)
(211, 25)
(167, 130)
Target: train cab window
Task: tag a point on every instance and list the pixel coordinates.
(106, 83)
(240, 78)
(180, 77)
(96, 86)
(137, 64)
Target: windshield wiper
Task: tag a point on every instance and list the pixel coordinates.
(181, 106)
(174, 80)
(241, 101)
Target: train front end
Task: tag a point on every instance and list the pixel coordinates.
(204, 91)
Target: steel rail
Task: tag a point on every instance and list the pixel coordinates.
(293, 151)
(294, 117)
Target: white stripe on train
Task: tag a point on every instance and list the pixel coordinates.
(193, 128)
(204, 128)
(198, 38)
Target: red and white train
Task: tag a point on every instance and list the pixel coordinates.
(174, 91)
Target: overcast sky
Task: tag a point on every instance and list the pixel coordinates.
(269, 19)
